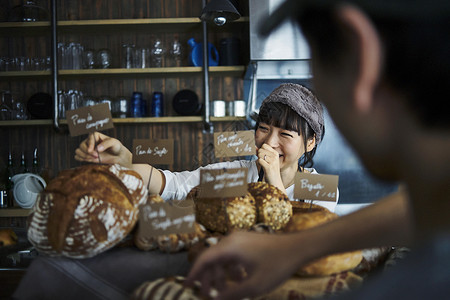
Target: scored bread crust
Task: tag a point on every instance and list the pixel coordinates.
(303, 207)
(306, 217)
(167, 288)
(86, 210)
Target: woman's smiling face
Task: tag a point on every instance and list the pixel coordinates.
(289, 144)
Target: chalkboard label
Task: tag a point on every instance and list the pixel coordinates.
(223, 183)
(153, 151)
(89, 119)
(316, 187)
(156, 219)
(230, 144)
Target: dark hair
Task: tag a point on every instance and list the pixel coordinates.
(282, 116)
(417, 60)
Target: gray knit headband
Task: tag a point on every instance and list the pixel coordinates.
(303, 102)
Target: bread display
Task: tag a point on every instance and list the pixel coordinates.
(172, 242)
(311, 217)
(170, 288)
(314, 287)
(273, 206)
(263, 203)
(86, 210)
(7, 237)
(224, 214)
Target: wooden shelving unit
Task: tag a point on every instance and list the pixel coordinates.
(173, 119)
(107, 25)
(120, 72)
(110, 25)
(157, 24)
(14, 212)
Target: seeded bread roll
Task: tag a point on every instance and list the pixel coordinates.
(263, 203)
(273, 206)
(170, 288)
(332, 264)
(224, 214)
(86, 210)
(170, 243)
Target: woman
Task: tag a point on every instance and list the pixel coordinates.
(289, 128)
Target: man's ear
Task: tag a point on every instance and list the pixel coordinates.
(311, 143)
(368, 47)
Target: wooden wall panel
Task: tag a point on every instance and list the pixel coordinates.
(192, 147)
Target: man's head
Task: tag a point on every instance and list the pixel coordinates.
(380, 67)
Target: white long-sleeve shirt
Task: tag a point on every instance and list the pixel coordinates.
(179, 184)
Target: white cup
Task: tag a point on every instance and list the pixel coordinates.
(218, 108)
(239, 108)
(26, 188)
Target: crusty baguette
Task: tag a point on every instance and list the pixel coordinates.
(327, 265)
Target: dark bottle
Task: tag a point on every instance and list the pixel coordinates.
(136, 105)
(4, 202)
(157, 104)
(35, 166)
(23, 164)
(9, 184)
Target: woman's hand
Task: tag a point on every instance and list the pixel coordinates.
(109, 150)
(244, 264)
(269, 160)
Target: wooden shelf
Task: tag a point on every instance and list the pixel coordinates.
(14, 212)
(116, 72)
(157, 24)
(12, 25)
(25, 122)
(121, 22)
(25, 74)
(173, 119)
(187, 119)
(153, 72)
(25, 29)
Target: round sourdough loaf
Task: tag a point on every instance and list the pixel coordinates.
(86, 210)
(308, 216)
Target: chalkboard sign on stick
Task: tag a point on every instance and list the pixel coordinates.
(89, 119)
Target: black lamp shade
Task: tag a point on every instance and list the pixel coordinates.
(217, 10)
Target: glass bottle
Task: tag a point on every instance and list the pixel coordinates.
(23, 164)
(35, 167)
(9, 184)
(157, 53)
(176, 52)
